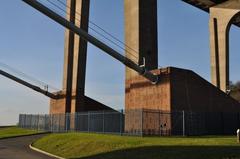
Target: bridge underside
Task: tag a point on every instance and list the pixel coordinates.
(205, 5)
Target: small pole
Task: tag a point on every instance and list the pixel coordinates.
(142, 122)
(121, 113)
(38, 122)
(88, 121)
(31, 121)
(51, 118)
(183, 121)
(45, 123)
(59, 122)
(103, 123)
(66, 122)
(159, 123)
(238, 135)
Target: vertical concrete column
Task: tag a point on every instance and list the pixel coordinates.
(140, 38)
(141, 33)
(68, 56)
(80, 57)
(221, 18)
(75, 53)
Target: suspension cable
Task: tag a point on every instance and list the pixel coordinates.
(63, 10)
(13, 70)
(94, 24)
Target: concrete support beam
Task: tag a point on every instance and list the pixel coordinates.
(68, 56)
(80, 56)
(141, 33)
(140, 38)
(75, 54)
(221, 18)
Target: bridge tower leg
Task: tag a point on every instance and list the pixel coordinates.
(142, 47)
(221, 18)
(140, 37)
(75, 56)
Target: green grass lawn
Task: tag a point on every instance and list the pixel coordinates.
(15, 131)
(97, 146)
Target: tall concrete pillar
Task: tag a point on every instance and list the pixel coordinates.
(221, 18)
(75, 54)
(141, 33)
(141, 39)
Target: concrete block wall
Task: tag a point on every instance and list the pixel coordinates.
(177, 90)
(142, 94)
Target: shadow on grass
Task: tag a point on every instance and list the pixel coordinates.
(172, 152)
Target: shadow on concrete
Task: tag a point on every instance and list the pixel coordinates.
(172, 152)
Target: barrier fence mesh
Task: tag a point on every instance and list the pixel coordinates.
(136, 122)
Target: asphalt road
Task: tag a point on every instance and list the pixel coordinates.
(18, 148)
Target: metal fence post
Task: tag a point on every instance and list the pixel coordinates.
(142, 122)
(31, 121)
(59, 122)
(38, 122)
(88, 121)
(103, 122)
(19, 120)
(25, 121)
(45, 123)
(51, 122)
(183, 121)
(159, 123)
(66, 121)
(120, 121)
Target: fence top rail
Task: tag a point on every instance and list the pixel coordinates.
(187, 112)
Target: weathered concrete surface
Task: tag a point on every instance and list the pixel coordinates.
(141, 40)
(75, 54)
(221, 18)
(142, 94)
(18, 148)
(204, 4)
(178, 90)
(57, 105)
(141, 33)
(223, 13)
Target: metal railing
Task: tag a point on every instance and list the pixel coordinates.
(98, 121)
(138, 122)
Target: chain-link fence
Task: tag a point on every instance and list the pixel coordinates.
(99, 121)
(136, 122)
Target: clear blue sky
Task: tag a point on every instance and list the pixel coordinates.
(33, 44)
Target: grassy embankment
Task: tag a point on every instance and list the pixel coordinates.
(96, 146)
(14, 131)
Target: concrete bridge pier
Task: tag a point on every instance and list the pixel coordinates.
(141, 38)
(75, 56)
(222, 16)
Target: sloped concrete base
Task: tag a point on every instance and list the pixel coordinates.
(177, 90)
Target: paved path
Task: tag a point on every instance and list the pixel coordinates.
(18, 148)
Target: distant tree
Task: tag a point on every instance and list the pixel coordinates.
(234, 86)
(234, 90)
(231, 85)
(237, 84)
